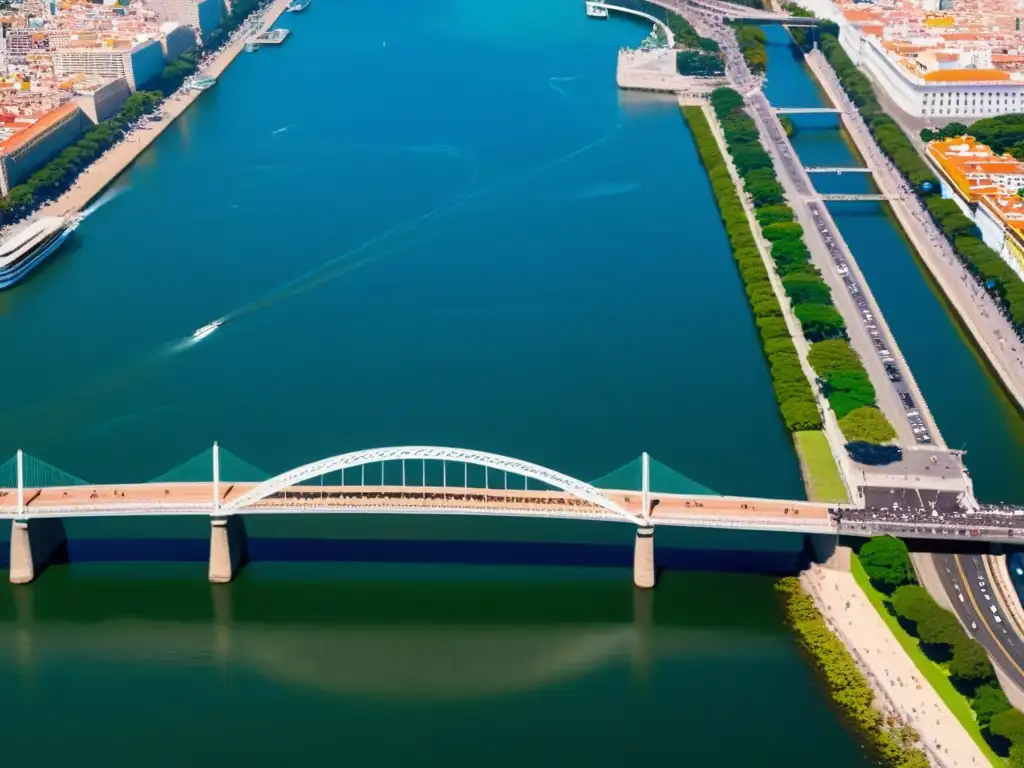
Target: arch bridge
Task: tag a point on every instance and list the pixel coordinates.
(427, 480)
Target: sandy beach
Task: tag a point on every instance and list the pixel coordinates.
(900, 688)
(98, 176)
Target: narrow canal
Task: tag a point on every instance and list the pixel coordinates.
(577, 306)
(971, 409)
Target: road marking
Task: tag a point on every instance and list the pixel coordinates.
(984, 621)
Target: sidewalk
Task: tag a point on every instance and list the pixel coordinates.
(889, 670)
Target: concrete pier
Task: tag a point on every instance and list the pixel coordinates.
(827, 551)
(34, 545)
(643, 558)
(228, 548)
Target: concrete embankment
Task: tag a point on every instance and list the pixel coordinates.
(98, 176)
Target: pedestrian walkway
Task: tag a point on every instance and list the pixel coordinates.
(900, 690)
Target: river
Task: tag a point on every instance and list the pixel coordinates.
(438, 225)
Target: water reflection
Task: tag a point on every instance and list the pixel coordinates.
(337, 644)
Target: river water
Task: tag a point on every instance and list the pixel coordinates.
(439, 225)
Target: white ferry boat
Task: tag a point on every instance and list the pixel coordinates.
(29, 247)
(298, 5)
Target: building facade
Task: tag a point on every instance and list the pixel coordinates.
(102, 99)
(137, 65)
(31, 147)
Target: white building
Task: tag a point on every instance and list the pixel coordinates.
(962, 88)
(137, 64)
(204, 16)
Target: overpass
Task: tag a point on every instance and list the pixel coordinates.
(741, 13)
(428, 480)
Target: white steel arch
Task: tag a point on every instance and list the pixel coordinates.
(571, 485)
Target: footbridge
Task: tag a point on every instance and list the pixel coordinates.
(634, 12)
(870, 197)
(406, 480)
(807, 110)
(839, 170)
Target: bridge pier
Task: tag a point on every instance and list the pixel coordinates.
(35, 544)
(826, 551)
(229, 548)
(643, 558)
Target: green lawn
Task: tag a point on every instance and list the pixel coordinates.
(823, 480)
(931, 671)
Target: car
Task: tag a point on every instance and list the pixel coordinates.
(981, 583)
(961, 596)
(989, 598)
(993, 609)
(999, 621)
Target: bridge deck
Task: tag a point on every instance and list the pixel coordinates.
(197, 498)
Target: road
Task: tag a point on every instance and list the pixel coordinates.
(992, 332)
(968, 585)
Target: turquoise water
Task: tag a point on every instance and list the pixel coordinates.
(971, 409)
(576, 307)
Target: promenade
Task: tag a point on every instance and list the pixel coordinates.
(101, 173)
(896, 680)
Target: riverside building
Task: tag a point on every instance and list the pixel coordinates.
(985, 186)
(936, 65)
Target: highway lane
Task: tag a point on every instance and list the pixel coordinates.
(966, 581)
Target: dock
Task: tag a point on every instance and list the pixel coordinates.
(272, 37)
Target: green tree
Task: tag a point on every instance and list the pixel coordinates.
(953, 130)
(868, 425)
(927, 134)
(988, 701)
(1017, 756)
(912, 602)
(1009, 725)
(886, 561)
(941, 628)
(820, 322)
(970, 665)
(807, 289)
(771, 214)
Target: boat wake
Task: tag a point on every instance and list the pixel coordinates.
(277, 131)
(442, 219)
(107, 197)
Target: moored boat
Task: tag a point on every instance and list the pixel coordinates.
(202, 83)
(30, 246)
(298, 5)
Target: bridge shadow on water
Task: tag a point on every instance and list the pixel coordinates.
(417, 552)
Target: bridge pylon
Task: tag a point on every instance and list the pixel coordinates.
(643, 557)
(229, 548)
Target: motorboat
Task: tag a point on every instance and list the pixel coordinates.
(206, 330)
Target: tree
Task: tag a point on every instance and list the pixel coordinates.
(1009, 724)
(913, 603)
(1017, 756)
(820, 322)
(771, 214)
(867, 425)
(941, 628)
(970, 666)
(953, 130)
(988, 701)
(803, 288)
(927, 134)
(886, 561)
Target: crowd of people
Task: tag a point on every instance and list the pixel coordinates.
(910, 510)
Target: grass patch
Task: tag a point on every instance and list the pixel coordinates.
(932, 672)
(821, 475)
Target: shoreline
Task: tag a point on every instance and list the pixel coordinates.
(98, 176)
(852, 619)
